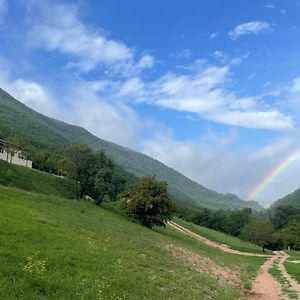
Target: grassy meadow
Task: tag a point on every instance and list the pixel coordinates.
(55, 248)
(292, 268)
(35, 181)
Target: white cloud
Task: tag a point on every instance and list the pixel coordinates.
(204, 91)
(106, 119)
(214, 35)
(296, 85)
(78, 103)
(220, 56)
(57, 27)
(253, 27)
(28, 92)
(132, 86)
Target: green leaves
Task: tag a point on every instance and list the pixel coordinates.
(148, 202)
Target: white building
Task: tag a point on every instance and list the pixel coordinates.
(14, 157)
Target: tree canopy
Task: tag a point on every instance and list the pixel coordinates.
(148, 202)
(260, 232)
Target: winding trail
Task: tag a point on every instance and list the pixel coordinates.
(265, 286)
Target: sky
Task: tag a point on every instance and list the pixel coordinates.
(210, 88)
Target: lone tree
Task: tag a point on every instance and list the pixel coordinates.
(259, 232)
(148, 202)
(78, 160)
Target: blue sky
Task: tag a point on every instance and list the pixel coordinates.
(211, 88)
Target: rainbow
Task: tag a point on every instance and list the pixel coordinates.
(274, 173)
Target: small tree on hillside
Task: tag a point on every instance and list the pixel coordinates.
(76, 164)
(148, 202)
(259, 232)
(101, 178)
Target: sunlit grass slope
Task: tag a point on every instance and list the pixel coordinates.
(54, 248)
(35, 181)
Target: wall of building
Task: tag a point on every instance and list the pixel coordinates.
(15, 159)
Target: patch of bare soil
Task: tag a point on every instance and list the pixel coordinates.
(265, 286)
(205, 265)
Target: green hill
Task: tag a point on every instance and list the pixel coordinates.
(36, 181)
(54, 248)
(18, 120)
(292, 199)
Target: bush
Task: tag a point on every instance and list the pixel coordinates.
(148, 202)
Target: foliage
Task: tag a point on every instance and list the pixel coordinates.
(283, 214)
(292, 199)
(148, 202)
(76, 164)
(225, 221)
(291, 235)
(94, 173)
(259, 232)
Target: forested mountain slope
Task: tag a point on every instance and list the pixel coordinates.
(18, 120)
(292, 199)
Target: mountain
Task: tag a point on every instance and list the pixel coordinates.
(16, 119)
(292, 199)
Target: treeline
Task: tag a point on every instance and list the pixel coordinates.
(281, 229)
(95, 173)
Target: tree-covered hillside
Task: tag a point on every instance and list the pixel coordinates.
(19, 121)
(292, 199)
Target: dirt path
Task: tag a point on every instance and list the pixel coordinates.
(265, 286)
(293, 283)
(210, 243)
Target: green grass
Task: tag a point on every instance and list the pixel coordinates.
(276, 273)
(294, 255)
(54, 248)
(292, 268)
(35, 181)
(233, 242)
